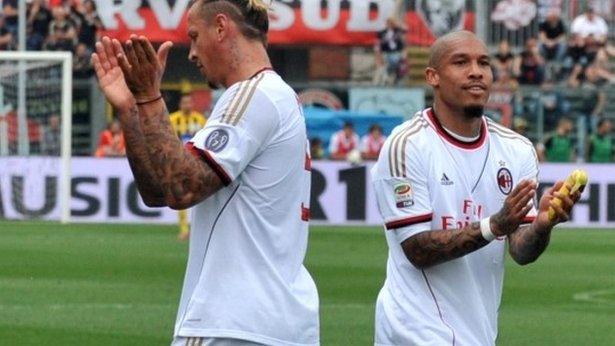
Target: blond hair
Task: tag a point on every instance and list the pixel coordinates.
(258, 5)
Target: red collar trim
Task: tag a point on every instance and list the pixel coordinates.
(454, 141)
(266, 68)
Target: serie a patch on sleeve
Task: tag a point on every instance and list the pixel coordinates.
(403, 195)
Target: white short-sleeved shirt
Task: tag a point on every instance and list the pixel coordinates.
(245, 277)
(342, 145)
(582, 26)
(425, 179)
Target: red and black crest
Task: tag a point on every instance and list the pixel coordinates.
(505, 180)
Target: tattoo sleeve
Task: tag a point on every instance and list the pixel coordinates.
(184, 179)
(429, 248)
(138, 159)
(525, 245)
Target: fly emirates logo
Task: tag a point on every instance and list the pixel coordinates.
(470, 212)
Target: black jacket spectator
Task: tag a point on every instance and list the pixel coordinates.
(90, 25)
(10, 14)
(552, 34)
(62, 32)
(39, 18)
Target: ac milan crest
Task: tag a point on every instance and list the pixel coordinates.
(442, 16)
(505, 180)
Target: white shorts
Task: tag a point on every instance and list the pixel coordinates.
(200, 341)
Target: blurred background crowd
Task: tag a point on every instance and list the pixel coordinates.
(553, 63)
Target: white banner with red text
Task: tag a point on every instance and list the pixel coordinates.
(103, 190)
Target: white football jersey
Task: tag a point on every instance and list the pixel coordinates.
(245, 277)
(425, 179)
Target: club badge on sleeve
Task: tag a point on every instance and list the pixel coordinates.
(403, 195)
(217, 140)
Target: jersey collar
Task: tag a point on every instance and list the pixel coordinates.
(433, 120)
(266, 68)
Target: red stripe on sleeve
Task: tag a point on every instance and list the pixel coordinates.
(209, 160)
(528, 219)
(408, 221)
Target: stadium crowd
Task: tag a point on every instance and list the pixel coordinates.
(557, 59)
(72, 26)
(563, 56)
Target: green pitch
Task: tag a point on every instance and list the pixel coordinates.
(120, 285)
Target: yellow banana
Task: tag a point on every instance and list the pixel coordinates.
(576, 180)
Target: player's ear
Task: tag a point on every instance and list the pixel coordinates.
(221, 23)
(431, 76)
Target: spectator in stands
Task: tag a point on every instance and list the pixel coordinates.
(504, 60)
(589, 23)
(372, 142)
(74, 12)
(520, 126)
(505, 98)
(554, 104)
(575, 60)
(342, 142)
(186, 121)
(591, 104)
(530, 65)
(39, 18)
(82, 65)
(317, 152)
(52, 137)
(62, 32)
(11, 15)
(558, 146)
(111, 142)
(598, 72)
(390, 51)
(6, 37)
(600, 148)
(552, 37)
(90, 25)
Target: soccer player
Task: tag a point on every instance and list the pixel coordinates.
(186, 122)
(453, 187)
(247, 174)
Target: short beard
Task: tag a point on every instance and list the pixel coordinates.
(473, 111)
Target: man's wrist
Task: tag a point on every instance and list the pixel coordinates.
(486, 230)
(143, 101)
(125, 109)
(540, 229)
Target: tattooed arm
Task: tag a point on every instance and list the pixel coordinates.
(528, 242)
(434, 247)
(113, 85)
(429, 248)
(138, 158)
(163, 169)
(185, 180)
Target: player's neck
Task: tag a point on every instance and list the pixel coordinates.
(457, 121)
(248, 58)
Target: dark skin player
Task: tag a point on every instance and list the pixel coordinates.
(460, 74)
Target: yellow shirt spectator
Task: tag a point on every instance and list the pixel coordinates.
(185, 121)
